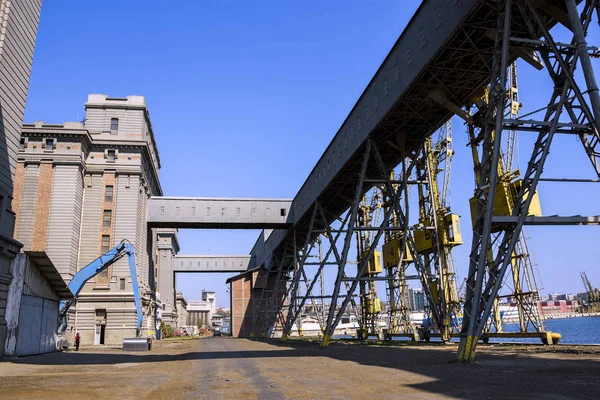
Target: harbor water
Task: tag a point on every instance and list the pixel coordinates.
(576, 330)
(584, 330)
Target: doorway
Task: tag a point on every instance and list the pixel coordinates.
(100, 326)
(99, 334)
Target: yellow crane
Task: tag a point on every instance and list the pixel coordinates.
(593, 295)
(438, 230)
(396, 260)
(519, 302)
(370, 304)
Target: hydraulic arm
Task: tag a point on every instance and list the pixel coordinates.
(93, 269)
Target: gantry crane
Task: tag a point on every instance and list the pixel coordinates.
(370, 304)
(434, 236)
(438, 230)
(524, 292)
(396, 259)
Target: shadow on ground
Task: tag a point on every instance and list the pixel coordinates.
(494, 375)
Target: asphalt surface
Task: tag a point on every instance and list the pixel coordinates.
(226, 368)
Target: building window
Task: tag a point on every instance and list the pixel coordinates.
(105, 244)
(108, 194)
(23, 143)
(106, 219)
(111, 155)
(49, 144)
(114, 126)
(282, 212)
(122, 284)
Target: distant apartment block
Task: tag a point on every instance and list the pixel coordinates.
(81, 188)
(557, 296)
(416, 298)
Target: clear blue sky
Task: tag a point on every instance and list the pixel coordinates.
(244, 97)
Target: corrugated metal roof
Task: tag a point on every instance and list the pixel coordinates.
(47, 268)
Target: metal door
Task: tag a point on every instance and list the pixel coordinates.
(37, 323)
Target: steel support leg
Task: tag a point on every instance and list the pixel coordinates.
(486, 184)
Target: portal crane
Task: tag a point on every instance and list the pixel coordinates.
(524, 293)
(593, 300)
(438, 231)
(370, 303)
(124, 248)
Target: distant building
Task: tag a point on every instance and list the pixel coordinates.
(182, 314)
(557, 296)
(416, 298)
(557, 307)
(217, 321)
(200, 312)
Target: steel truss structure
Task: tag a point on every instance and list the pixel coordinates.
(521, 287)
(333, 219)
(378, 219)
(570, 110)
(438, 229)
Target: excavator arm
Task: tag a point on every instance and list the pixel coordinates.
(124, 248)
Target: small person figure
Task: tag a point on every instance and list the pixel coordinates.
(77, 340)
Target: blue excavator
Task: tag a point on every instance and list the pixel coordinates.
(124, 248)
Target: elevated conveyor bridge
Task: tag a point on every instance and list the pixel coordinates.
(441, 61)
(445, 57)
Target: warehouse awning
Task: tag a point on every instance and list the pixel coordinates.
(46, 267)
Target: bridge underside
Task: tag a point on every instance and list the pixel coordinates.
(454, 75)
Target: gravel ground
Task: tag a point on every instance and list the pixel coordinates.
(225, 368)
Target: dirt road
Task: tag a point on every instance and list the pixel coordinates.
(224, 368)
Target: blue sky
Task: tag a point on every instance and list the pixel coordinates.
(245, 96)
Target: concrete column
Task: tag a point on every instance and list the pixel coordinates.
(8, 250)
(168, 247)
(13, 303)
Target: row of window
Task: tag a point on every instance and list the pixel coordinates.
(105, 246)
(108, 198)
(238, 211)
(50, 144)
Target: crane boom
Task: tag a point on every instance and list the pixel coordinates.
(94, 268)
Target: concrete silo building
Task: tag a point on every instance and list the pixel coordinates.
(81, 188)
